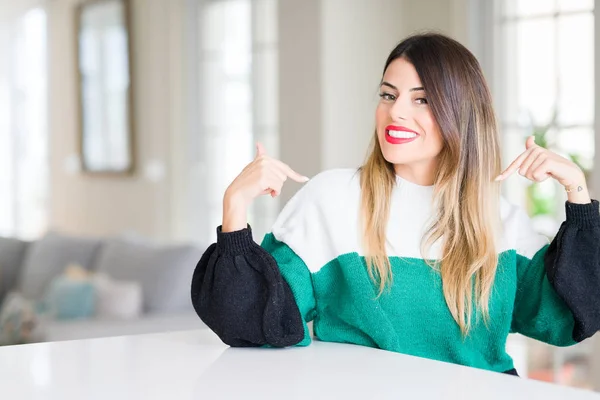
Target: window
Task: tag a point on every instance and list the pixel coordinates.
(547, 69)
(237, 86)
(545, 86)
(23, 125)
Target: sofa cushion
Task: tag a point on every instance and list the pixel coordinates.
(165, 272)
(48, 258)
(117, 299)
(12, 254)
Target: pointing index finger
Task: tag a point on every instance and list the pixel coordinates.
(291, 173)
(514, 166)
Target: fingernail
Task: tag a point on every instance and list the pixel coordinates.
(499, 177)
(305, 179)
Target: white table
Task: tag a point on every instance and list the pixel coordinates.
(196, 365)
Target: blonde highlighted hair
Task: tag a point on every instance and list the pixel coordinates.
(465, 194)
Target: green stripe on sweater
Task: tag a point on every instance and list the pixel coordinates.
(412, 316)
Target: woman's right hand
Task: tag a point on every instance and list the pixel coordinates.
(264, 175)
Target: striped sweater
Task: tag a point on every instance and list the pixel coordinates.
(311, 267)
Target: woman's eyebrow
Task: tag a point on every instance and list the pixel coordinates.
(415, 89)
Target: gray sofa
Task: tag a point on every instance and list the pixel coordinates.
(164, 273)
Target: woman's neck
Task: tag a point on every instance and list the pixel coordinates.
(422, 175)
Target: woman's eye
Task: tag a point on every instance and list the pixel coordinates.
(421, 100)
(387, 96)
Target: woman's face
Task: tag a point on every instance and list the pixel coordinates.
(407, 132)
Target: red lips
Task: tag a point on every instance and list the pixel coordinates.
(395, 140)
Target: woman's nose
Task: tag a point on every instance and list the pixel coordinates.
(398, 111)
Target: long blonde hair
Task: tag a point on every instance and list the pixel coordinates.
(467, 198)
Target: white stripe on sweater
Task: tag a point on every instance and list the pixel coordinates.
(321, 222)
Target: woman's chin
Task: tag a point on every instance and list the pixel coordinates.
(396, 159)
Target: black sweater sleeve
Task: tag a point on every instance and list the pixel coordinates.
(239, 293)
(572, 265)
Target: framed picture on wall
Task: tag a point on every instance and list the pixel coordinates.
(104, 86)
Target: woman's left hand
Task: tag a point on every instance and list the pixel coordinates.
(538, 164)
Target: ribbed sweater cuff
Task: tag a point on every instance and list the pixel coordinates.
(583, 215)
(234, 243)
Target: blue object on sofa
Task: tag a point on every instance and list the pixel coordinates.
(71, 299)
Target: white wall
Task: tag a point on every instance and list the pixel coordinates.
(357, 37)
(300, 81)
(330, 72)
(355, 41)
(98, 205)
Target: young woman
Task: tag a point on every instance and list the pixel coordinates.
(416, 251)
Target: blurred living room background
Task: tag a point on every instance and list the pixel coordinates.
(123, 121)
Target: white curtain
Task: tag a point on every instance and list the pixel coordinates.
(234, 59)
(23, 118)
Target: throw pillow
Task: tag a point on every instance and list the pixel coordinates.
(164, 272)
(71, 295)
(18, 321)
(117, 299)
